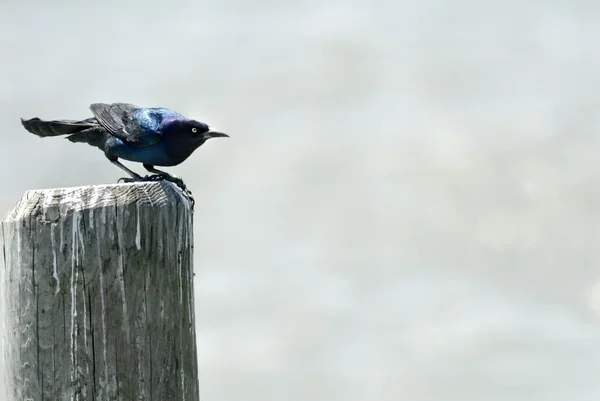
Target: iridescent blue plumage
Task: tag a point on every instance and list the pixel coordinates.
(152, 136)
(150, 119)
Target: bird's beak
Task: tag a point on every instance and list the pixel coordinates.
(214, 134)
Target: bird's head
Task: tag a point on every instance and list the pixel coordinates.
(194, 132)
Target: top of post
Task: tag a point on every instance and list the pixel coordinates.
(51, 203)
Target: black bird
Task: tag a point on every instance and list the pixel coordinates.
(152, 136)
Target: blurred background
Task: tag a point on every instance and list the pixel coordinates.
(409, 204)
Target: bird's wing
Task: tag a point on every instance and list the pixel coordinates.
(118, 120)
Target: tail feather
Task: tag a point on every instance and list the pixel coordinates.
(94, 136)
(43, 128)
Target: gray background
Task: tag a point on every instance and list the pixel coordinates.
(407, 208)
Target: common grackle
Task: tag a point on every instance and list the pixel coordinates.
(152, 136)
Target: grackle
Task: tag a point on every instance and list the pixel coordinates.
(152, 136)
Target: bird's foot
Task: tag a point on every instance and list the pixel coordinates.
(175, 180)
(130, 179)
(153, 177)
(188, 195)
(184, 189)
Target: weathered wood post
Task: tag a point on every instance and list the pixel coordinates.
(97, 295)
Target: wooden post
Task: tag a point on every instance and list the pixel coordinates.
(97, 295)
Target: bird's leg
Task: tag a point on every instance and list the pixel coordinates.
(176, 180)
(166, 176)
(134, 176)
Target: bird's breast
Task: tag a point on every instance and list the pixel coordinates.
(155, 155)
(179, 148)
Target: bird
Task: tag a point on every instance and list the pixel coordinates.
(152, 136)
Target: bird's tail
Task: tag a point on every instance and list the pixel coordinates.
(43, 128)
(94, 136)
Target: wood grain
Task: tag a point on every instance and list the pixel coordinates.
(97, 295)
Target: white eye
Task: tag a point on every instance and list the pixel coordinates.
(194, 130)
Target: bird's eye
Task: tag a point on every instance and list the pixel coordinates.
(194, 130)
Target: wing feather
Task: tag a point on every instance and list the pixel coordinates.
(119, 120)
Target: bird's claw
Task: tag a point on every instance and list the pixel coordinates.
(153, 177)
(188, 195)
(179, 182)
(128, 179)
(184, 189)
(158, 177)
